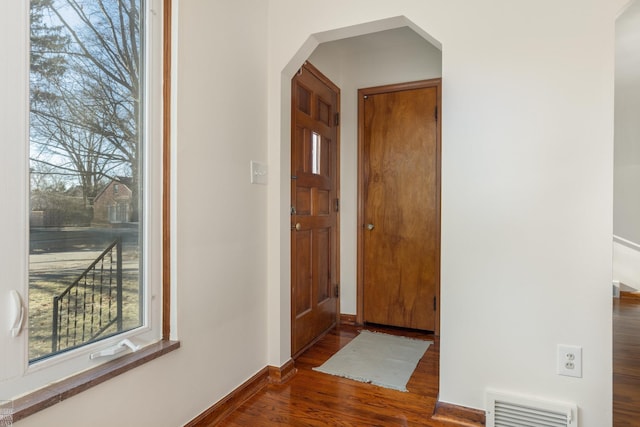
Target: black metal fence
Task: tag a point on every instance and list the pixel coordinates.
(92, 305)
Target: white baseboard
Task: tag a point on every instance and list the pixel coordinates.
(626, 266)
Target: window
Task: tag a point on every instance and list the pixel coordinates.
(86, 135)
(92, 192)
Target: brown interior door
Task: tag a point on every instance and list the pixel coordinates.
(314, 217)
(400, 236)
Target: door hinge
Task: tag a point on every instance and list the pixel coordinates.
(336, 119)
(336, 291)
(337, 205)
(436, 113)
(434, 304)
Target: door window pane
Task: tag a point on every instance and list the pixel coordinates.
(316, 153)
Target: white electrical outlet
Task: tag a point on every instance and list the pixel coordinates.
(570, 360)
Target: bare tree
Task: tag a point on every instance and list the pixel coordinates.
(48, 47)
(89, 120)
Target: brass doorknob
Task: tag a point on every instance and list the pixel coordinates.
(298, 226)
(370, 226)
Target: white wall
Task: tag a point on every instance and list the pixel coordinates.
(626, 212)
(527, 195)
(392, 56)
(220, 229)
(626, 199)
(527, 185)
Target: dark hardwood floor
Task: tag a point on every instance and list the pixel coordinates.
(315, 399)
(312, 398)
(626, 362)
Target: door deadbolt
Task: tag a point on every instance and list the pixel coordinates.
(370, 227)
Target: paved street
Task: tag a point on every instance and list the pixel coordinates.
(62, 251)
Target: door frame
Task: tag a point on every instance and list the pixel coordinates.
(325, 80)
(362, 93)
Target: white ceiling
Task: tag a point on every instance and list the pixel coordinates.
(382, 40)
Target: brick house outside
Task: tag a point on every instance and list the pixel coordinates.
(113, 204)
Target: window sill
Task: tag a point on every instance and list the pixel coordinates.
(57, 392)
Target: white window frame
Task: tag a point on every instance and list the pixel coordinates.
(17, 376)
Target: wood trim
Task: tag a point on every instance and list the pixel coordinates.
(57, 392)
(360, 214)
(458, 415)
(439, 202)
(399, 87)
(232, 401)
(283, 374)
(348, 319)
(235, 399)
(338, 280)
(629, 295)
(166, 174)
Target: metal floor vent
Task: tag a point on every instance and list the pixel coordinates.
(508, 410)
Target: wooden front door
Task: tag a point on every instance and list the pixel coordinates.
(400, 205)
(314, 205)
